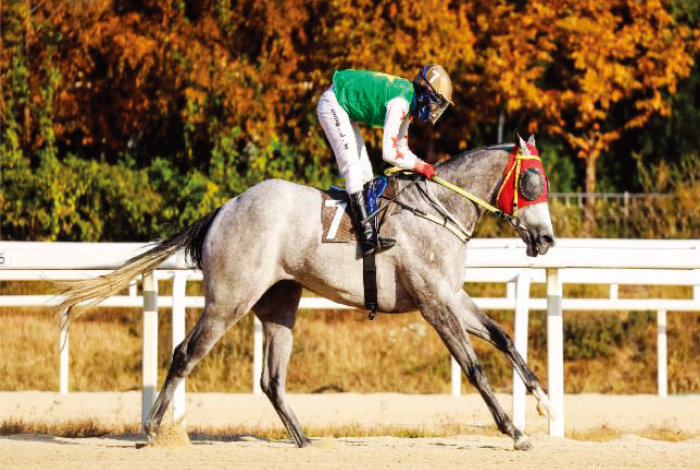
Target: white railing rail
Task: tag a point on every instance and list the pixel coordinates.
(572, 261)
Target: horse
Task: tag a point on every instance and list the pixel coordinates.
(260, 249)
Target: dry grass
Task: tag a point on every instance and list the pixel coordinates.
(82, 428)
(344, 352)
(103, 355)
(605, 434)
(175, 435)
(348, 430)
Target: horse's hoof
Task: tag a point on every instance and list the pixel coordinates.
(150, 437)
(522, 443)
(305, 443)
(544, 410)
(150, 442)
(543, 407)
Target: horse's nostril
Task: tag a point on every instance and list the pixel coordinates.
(547, 240)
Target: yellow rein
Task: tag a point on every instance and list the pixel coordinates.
(462, 192)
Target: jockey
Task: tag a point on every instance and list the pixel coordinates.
(377, 99)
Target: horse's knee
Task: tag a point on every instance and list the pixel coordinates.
(476, 375)
(498, 336)
(504, 343)
(178, 368)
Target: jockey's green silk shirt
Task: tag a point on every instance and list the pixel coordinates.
(364, 94)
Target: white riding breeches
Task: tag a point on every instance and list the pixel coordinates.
(346, 140)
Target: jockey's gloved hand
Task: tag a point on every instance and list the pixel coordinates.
(424, 168)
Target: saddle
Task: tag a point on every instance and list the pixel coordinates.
(337, 222)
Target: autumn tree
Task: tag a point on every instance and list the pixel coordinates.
(588, 70)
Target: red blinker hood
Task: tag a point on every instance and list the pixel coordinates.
(508, 200)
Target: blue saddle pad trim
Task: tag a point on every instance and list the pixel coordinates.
(373, 191)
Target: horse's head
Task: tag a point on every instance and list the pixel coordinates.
(523, 195)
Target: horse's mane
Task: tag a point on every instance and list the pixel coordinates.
(455, 159)
(469, 153)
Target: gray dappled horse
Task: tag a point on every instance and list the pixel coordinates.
(258, 250)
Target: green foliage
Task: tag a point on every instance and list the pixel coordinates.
(561, 170)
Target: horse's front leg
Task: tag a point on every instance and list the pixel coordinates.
(480, 325)
(448, 319)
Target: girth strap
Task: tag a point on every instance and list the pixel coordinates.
(369, 278)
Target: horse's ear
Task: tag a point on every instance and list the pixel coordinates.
(531, 140)
(523, 146)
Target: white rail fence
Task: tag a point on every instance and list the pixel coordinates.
(572, 261)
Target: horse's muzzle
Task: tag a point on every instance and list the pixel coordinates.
(544, 242)
(535, 228)
(537, 242)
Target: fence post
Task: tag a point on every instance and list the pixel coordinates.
(257, 355)
(150, 345)
(662, 375)
(456, 377)
(178, 320)
(555, 352)
(522, 297)
(64, 357)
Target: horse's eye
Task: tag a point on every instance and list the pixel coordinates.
(531, 184)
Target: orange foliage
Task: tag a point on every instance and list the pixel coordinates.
(172, 78)
(575, 62)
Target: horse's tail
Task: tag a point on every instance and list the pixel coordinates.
(95, 290)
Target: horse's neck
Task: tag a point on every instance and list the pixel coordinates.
(479, 173)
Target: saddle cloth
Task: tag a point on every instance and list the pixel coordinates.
(337, 222)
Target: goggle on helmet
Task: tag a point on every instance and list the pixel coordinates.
(434, 92)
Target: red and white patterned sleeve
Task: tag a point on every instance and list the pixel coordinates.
(395, 141)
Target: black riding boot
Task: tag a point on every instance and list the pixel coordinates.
(369, 242)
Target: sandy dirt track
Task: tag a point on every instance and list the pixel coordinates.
(628, 414)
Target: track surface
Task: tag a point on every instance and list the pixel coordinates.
(628, 414)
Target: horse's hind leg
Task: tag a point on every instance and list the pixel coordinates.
(277, 311)
(213, 323)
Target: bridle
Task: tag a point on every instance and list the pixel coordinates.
(521, 156)
(525, 168)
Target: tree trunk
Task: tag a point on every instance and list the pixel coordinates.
(589, 210)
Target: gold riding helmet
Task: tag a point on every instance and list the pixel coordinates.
(437, 96)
